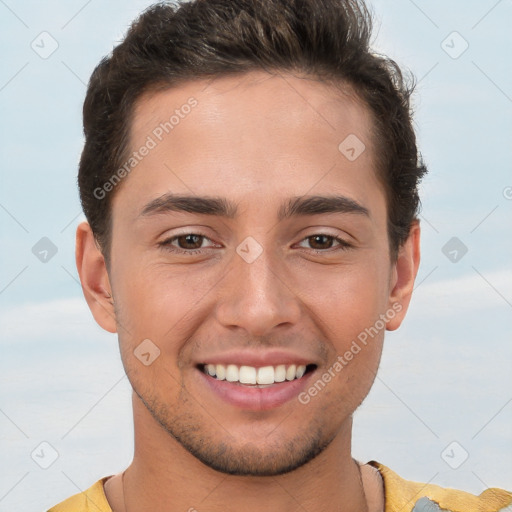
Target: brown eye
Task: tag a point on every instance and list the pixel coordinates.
(320, 241)
(189, 241)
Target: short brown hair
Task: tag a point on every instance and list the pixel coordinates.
(171, 43)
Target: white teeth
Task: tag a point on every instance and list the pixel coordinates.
(220, 371)
(247, 375)
(265, 375)
(232, 373)
(280, 373)
(290, 372)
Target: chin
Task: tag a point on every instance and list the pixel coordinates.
(221, 451)
(251, 460)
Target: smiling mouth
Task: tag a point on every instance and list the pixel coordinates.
(261, 377)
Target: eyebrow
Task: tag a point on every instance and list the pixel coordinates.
(219, 206)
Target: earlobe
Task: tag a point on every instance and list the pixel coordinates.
(93, 274)
(403, 277)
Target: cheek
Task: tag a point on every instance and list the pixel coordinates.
(155, 309)
(347, 305)
(345, 300)
(157, 301)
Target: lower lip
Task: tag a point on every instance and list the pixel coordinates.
(254, 398)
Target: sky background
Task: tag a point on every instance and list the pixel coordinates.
(446, 374)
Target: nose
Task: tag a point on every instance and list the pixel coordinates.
(257, 295)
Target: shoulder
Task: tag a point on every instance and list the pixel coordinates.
(408, 496)
(90, 500)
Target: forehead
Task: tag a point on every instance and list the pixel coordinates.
(258, 99)
(281, 133)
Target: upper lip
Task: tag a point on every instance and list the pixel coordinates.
(257, 358)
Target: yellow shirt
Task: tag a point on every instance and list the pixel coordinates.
(400, 496)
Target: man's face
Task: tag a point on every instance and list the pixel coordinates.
(264, 285)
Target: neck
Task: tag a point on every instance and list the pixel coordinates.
(165, 477)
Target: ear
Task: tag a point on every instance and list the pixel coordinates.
(403, 276)
(93, 274)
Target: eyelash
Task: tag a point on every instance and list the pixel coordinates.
(166, 244)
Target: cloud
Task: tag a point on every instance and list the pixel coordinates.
(465, 294)
(52, 321)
